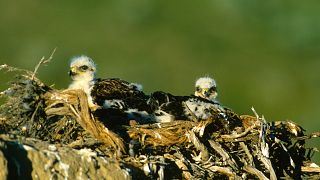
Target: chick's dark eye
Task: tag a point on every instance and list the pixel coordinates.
(213, 89)
(84, 67)
(198, 89)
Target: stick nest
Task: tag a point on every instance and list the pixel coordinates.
(231, 147)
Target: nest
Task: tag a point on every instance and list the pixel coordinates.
(231, 147)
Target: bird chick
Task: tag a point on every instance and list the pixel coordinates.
(83, 73)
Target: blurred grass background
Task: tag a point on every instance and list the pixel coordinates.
(264, 54)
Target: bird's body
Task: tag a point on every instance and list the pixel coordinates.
(169, 107)
(120, 99)
(112, 97)
(83, 74)
(115, 89)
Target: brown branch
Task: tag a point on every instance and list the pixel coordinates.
(224, 170)
(225, 156)
(246, 150)
(310, 169)
(268, 165)
(255, 172)
(234, 136)
(198, 145)
(182, 163)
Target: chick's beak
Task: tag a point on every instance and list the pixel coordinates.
(205, 92)
(72, 72)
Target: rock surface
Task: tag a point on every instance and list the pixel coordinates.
(27, 158)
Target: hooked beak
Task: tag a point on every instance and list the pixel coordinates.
(72, 71)
(205, 92)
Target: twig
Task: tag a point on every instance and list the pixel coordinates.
(199, 146)
(268, 165)
(34, 113)
(74, 112)
(234, 136)
(310, 136)
(285, 149)
(182, 163)
(263, 132)
(255, 113)
(224, 170)
(42, 61)
(225, 156)
(201, 126)
(264, 153)
(263, 145)
(184, 169)
(11, 69)
(255, 171)
(246, 150)
(310, 169)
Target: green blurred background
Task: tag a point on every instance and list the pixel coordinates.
(264, 54)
